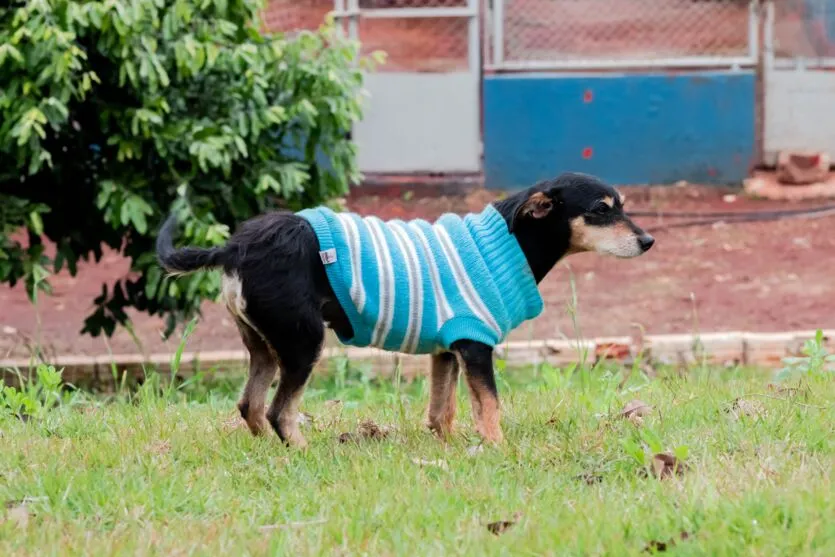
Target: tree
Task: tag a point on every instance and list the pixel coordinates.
(115, 112)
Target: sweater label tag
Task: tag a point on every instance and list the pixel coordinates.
(328, 256)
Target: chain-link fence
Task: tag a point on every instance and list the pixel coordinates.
(802, 30)
(288, 16)
(438, 41)
(416, 35)
(557, 34)
(417, 44)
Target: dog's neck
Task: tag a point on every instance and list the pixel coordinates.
(543, 242)
(541, 251)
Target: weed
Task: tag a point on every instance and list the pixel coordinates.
(34, 396)
(816, 361)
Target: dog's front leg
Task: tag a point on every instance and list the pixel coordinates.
(477, 360)
(443, 380)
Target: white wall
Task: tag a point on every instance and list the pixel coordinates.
(799, 111)
(420, 122)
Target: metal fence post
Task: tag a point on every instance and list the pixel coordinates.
(353, 19)
(498, 32)
(754, 29)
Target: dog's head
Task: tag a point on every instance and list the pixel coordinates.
(585, 208)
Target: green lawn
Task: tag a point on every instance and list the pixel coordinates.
(157, 472)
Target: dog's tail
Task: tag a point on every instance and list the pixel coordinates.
(187, 259)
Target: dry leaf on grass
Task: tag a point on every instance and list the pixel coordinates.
(741, 407)
(305, 419)
(326, 420)
(371, 430)
(232, 423)
(657, 546)
(475, 450)
(635, 410)
(346, 437)
(159, 447)
(17, 514)
(787, 391)
(431, 463)
(501, 526)
(589, 478)
(293, 525)
(612, 351)
(665, 465)
(367, 429)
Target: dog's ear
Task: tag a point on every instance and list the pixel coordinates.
(537, 206)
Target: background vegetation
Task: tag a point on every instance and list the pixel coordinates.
(114, 113)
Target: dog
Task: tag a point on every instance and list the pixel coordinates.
(452, 289)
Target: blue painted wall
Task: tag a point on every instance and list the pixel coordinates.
(625, 128)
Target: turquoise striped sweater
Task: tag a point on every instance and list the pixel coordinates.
(417, 287)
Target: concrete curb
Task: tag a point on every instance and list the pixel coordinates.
(755, 349)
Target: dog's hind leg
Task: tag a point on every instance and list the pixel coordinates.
(443, 381)
(298, 349)
(263, 362)
(263, 365)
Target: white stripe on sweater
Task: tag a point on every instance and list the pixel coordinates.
(442, 307)
(462, 279)
(376, 250)
(385, 315)
(407, 248)
(353, 236)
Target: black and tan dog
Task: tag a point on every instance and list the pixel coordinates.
(277, 289)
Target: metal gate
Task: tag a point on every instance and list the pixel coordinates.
(799, 50)
(424, 112)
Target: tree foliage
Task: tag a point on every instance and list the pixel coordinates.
(115, 112)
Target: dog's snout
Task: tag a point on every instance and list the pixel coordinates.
(646, 241)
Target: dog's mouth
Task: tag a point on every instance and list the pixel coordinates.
(619, 240)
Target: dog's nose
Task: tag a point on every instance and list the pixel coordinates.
(646, 241)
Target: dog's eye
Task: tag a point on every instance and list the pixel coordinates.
(601, 209)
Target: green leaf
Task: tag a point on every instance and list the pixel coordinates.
(7, 50)
(36, 223)
(241, 145)
(652, 440)
(681, 452)
(134, 210)
(634, 450)
(152, 281)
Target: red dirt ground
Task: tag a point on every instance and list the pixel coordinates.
(766, 276)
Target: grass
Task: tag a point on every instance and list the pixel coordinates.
(171, 471)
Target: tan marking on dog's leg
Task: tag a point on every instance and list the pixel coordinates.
(262, 370)
(486, 410)
(443, 380)
(262, 359)
(262, 367)
(284, 411)
(231, 292)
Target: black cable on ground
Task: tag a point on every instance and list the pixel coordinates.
(731, 215)
(743, 217)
